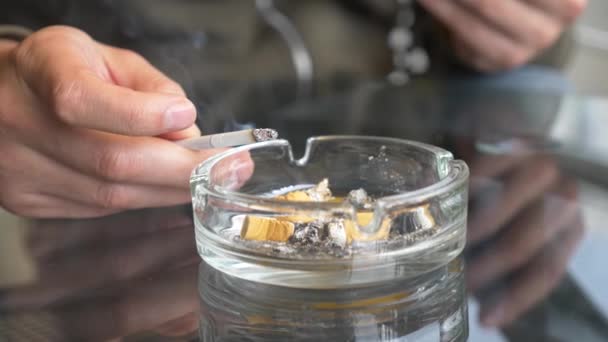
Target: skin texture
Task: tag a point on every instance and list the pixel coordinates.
(500, 35)
(86, 129)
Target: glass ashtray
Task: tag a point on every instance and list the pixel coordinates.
(259, 214)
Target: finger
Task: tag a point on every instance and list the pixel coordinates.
(119, 197)
(518, 20)
(59, 185)
(133, 71)
(565, 10)
(27, 188)
(86, 101)
(142, 306)
(104, 195)
(65, 276)
(523, 187)
(114, 158)
(522, 240)
(486, 42)
(190, 132)
(533, 283)
(81, 92)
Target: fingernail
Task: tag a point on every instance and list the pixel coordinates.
(180, 116)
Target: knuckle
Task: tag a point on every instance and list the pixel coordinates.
(61, 30)
(135, 116)
(21, 58)
(65, 97)
(40, 40)
(59, 34)
(115, 164)
(112, 196)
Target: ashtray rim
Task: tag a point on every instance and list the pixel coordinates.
(456, 173)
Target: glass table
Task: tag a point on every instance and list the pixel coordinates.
(534, 263)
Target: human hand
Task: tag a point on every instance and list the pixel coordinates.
(500, 35)
(97, 282)
(525, 224)
(85, 129)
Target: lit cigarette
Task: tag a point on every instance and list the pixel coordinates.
(230, 139)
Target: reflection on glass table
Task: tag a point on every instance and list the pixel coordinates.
(536, 245)
(131, 274)
(430, 307)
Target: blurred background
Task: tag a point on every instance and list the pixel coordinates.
(588, 70)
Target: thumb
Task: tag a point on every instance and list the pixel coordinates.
(89, 102)
(133, 71)
(85, 85)
(123, 103)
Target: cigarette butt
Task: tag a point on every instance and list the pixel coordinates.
(296, 196)
(363, 219)
(422, 217)
(266, 229)
(354, 234)
(297, 218)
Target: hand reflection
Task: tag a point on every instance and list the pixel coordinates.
(524, 225)
(112, 277)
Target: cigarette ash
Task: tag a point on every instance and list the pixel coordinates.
(328, 234)
(265, 134)
(325, 238)
(321, 237)
(360, 199)
(321, 192)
